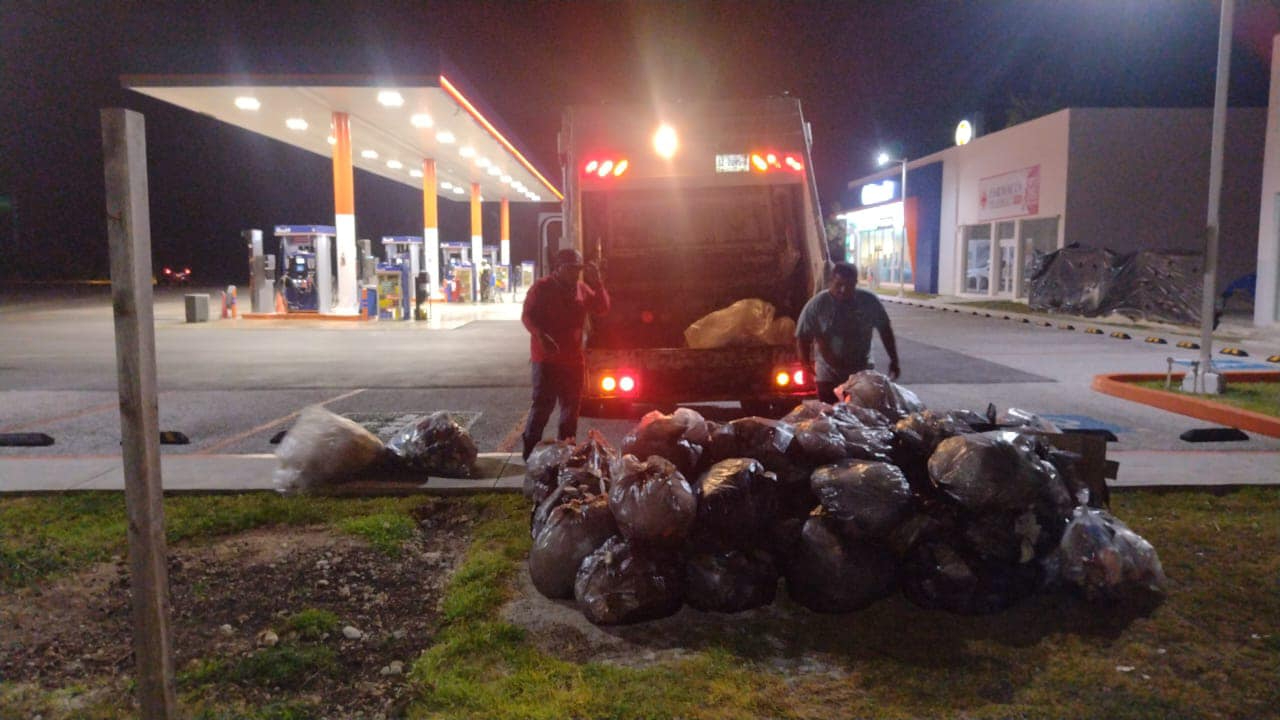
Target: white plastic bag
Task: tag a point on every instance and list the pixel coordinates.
(323, 449)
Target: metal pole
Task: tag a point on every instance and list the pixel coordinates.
(124, 153)
(902, 253)
(1215, 185)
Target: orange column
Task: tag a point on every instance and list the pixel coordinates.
(431, 228)
(477, 242)
(344, 220)
(504, 224)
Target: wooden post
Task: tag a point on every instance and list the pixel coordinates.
(124, 153)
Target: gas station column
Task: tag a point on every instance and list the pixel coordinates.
(504, 223)
(477, 242)
(344, 211)
(430, 227)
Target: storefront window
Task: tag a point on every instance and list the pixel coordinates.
(1039, 238)
(977, 258)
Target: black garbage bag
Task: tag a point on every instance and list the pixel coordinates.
(819, 442)
(624, 582)
(987, 472)
(730, 581)
(866, 499)
(831, 574)
(436, 444)
(828, 433)
(942, 575)
(678, 437)
(1008, 537)
(915, 437)
(651, 501)
(874, 390)
(595, 454)
(736, 500)
(542, 468)
(768, 441)
(1106, 560)
(572, 531)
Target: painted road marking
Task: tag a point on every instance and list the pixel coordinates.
(1081, 422)
(1228, 364)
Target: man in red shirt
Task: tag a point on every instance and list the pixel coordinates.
(554, 313)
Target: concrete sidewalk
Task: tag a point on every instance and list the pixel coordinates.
(504, 472)
(501, 472)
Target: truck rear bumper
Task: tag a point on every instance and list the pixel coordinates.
(686, 375)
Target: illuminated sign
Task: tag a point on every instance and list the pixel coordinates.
(876, 193)
(731, 163)
(964, 132)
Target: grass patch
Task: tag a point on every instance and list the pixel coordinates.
(285, 665)
(43, 536)
(384, 531)
(1209, 651)
(1259, 397)
(312, 624)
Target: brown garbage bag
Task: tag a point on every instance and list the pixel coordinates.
(622, 582)
(987, 472)
(651, 501)
(571, 532)
(746, 322)
(874, 390)
(678, 437)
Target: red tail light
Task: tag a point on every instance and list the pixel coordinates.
(783, 379)
(627, 384)
(798, 377)
(608, 383)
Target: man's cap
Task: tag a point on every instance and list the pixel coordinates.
(568, 256)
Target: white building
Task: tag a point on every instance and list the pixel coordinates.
(1121, 178)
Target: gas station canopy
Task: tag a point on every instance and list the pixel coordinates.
(395, 125)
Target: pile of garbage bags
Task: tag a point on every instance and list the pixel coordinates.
(845, 504)
(1145, 285)
(323, 449)
(746, 322)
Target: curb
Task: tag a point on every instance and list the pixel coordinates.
(1121, 385)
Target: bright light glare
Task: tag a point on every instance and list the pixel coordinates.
(446, 137)
(882, 159)
(627, 383)
(446, 185)
(457, 190)
(494, 170)
(592, 166)
(296, 124)
(782, 378)
(798, 377)
(759, 162)
(467, 151)
(245, 102)
(415, 173)
(332, 140)
(620, 168)
(421, 120)
(394, 164)
(390, 98)
(369, 154)
(665, 141)
(506, 179)
(606, 167)
(608, 384)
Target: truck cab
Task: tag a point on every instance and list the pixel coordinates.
(688, 209)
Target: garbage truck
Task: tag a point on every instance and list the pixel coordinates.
(688, 209)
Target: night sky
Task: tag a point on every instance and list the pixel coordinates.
(870, 75)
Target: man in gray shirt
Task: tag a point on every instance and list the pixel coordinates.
(839, 321)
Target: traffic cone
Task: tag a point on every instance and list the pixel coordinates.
(280, 308)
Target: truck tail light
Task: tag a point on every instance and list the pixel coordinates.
(608, 383)
(606, 167)
(768, 161)
(620, 382)
(783, 378)
(797, 377)
(793, 378)
(627, 384)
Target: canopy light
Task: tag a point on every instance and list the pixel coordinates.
(390, 98)
(494, 170)
(665, 142)
(331, 140)
(394, 164)
(421, 120)
(457, 190)
(296, 124)
(606, 167)
(769, 161)
(446, 185)
(467, 151)
(506, 179)
(446, 137)
(369, 154)
(482, 162)
(245, 102)
(415, 173)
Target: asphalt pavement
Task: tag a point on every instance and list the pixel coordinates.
(230, 385)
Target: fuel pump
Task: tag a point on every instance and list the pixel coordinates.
(457, 268)
(402, 259)
(305, 266)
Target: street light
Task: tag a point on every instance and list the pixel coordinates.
(883, 159)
